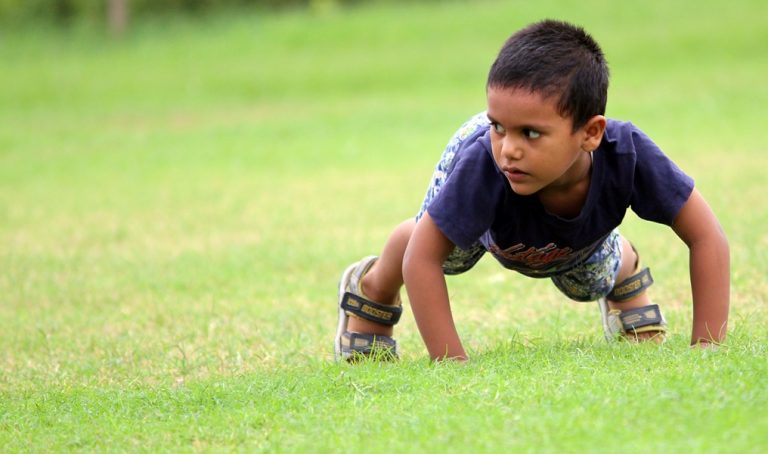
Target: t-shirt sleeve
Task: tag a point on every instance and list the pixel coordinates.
(465, 207)
(661, 188)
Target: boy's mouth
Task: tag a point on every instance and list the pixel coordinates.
(514, 174)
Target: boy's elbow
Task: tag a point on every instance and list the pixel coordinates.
(411, 264)
(417, 261)
(724, 239)
(726, 248)
(717, 236)
(713, 243)
(716, 239)
(407, 267)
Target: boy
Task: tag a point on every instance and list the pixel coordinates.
(541, 181)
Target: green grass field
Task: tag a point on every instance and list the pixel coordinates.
(176, 208)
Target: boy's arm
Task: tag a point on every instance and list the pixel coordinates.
(427, 290)
(698, 227)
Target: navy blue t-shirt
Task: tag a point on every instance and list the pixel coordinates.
(476, 202)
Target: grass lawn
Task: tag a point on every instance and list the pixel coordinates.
(176, 208)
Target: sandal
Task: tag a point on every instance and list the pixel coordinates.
(628, 324)
(352, 303)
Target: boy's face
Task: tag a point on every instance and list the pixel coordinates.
(535, 146)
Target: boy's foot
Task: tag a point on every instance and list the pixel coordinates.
(353, 303)
(637, 325)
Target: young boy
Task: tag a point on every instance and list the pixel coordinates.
(541, 181)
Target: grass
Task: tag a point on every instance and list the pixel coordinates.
(176, 206)
(550, 397)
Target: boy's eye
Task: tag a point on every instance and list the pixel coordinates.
(498, 129)
(531, 133)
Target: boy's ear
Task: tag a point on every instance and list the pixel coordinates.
(593, 133)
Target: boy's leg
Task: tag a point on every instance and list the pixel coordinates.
(369, 301)
(629, 266)
(369, 291)
(614, 270)
(372, 286)
(383, 280)
(628, 272)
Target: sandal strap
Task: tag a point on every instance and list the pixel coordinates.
(367, 344)
(370, 310)
(642, 319)
(631, 286)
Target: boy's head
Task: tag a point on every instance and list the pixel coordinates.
(558, 59)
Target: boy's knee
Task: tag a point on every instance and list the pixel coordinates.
(630, 260)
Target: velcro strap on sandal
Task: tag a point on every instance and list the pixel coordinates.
(631, 286)
(369, 310)
(641, 317)
(367, 344)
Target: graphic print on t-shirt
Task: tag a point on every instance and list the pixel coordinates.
(542, 261)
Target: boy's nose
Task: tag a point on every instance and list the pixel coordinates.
(511, 149)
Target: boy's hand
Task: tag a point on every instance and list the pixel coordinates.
(705, 346)
(427, 290)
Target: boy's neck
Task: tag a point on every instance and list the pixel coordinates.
(568, 200)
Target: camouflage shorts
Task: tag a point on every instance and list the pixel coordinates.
(588, 281)
(595, 277)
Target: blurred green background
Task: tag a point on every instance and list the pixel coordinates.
(229, 165)
(177, 200)
(116, 15)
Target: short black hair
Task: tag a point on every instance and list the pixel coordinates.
(555, 58)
